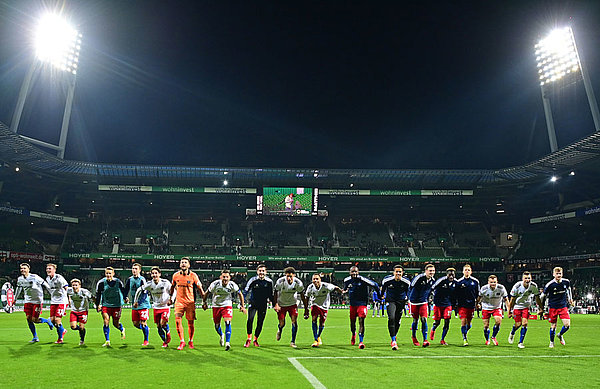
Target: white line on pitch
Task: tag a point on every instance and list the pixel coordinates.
(453, 356)
(307, 374)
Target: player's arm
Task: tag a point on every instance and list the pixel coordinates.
(507, 304)
(510, 305)
(137, 295)
(99, 290)
(125, 290)
(172, 295)
(200, 288)
(570, 296)
(540, 303)
(18, 292)
(276, 304)
(205, 297)
(242, 302)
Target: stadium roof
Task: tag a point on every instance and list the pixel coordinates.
(15, 151)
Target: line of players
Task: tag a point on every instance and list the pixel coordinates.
(464, 294)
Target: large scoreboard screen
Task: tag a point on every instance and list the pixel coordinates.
(288, 201)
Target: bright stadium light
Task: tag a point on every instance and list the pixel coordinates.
(58, 44)
(557, 56)
(558, 60)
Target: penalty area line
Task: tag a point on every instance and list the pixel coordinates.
(307, 374)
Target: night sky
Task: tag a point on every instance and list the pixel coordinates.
(302, 84)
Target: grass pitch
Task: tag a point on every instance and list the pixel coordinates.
(336, 364)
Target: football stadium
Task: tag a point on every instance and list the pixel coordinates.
(155, 271)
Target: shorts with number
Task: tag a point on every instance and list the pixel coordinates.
(292, 309)
(32, 310)
(418, 311)
(519, 314)
(78, 317)
(140, 314)
(222, 312)
(487, 313)
(440, 313)
(555, 313)
(358, 310)
(58, 310)
(114, 312)
(316, 311)
(161, 315)
(466, 313)
(189, 309)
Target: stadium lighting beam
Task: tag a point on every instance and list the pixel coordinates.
(557, 58)
(57, 44)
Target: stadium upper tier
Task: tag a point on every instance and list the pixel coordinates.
(16, 151)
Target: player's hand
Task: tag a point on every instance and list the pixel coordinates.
(243, 309)
(204, 306)
(277, 308)
(305, 314)
(170, 302)
(510, 314)
(126, 300)
(135, 305)
(98, 308)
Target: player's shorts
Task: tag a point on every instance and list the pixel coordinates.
(466, 313)
(316, 311)
(487, 313)
(161, 314)
(222, 312)
(358, 310)
(140, 314)
(189, 309)
(555, 313)
(418, 311)
(292, 309)
(440, 313)
(519, 314)
(114, 312)
(58, 310)
(32, 310)
(78, 317)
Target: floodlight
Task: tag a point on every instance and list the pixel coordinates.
(556, 55)
(225, 182)
(57, 43)
(553, 179)
(590, 296)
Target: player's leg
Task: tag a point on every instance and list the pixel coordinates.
(294, 320)
(116, 316)
(217, 323)
(251, 313)
(392, 320)
(106, 326)
(164, 324)
(446, 327)
(361, 330)
(523, 323)
(227, 316)
(190, 315)
(414, 311)
(322, 319)
(353, 315)
(486, 328)
(496, 329)
(520, 319)
(423, 319)
(145, 329)
(260, 319)
(179, 324)
(553, 317)
(566, 325)
(281, 324)
(82, 330)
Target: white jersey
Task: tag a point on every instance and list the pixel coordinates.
(80, 301)
(524, 296)
(222, 295)
(492, 299)
(58, 289)
(286, 293)
(319, 297)
(32, 288)
(160, 293)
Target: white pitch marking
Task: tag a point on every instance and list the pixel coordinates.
(307, 374)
